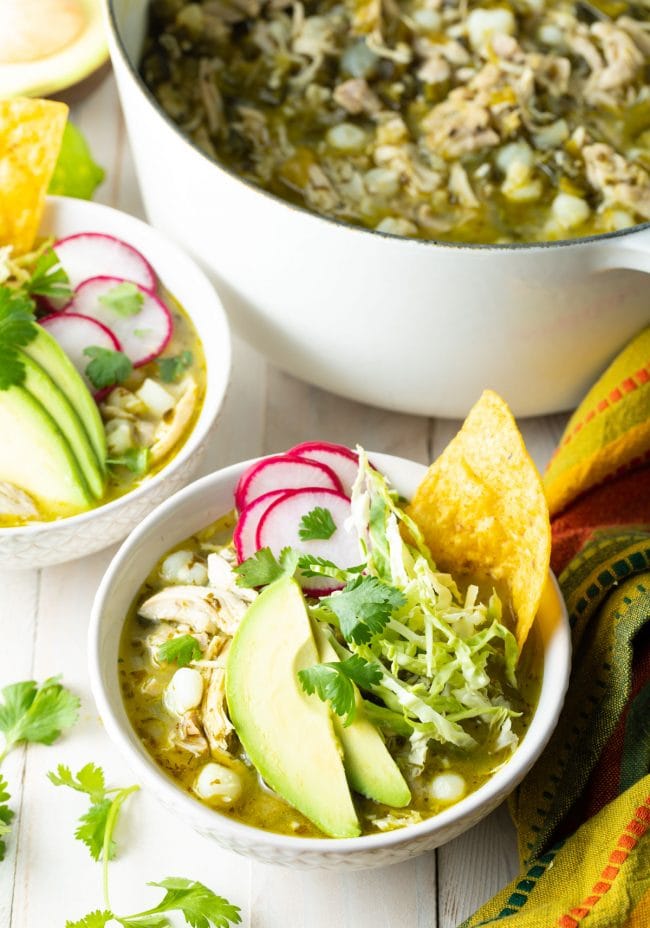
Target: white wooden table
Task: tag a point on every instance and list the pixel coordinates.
(47, 876)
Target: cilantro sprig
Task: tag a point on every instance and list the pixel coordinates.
(263, 567)
(199, 905)
(17, 329)
(171, 369)
(181, 650)
(363, 607)
(334, 683)
(107, 367)
(125, 299)
(136, 460)
(49, 278)
(317, 525)
(36, 714)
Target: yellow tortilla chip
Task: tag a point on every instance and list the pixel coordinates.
(482, 509)
(30, 139)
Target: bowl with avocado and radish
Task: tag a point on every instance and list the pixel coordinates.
(117, 357)
(283, 662)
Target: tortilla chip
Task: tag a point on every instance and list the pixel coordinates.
(482, 509)
(30, 138)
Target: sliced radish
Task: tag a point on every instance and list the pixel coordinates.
(75, 333)
(279, 527)
(89, 254)
(283, 472)
(245, 534)
(143, 336)
(343, 461)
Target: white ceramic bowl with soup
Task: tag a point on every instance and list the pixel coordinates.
(191, 510)
(411, 325)
(40, 544)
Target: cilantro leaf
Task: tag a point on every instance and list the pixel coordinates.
(125, 299)
(17, 329)
(12, 369)
(90, 780)
(134, 459)
(107, 367)
(92, 829)
(49, 278)
(171, 368)
(200, 907)
(363, 607)
(96, 919)
(317, 525)
(181, 650)
(6, 815)
(333, 683)
(36, 713)
(262, 568)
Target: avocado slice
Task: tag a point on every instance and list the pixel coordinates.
(35, 456)
(287, 734)
(369, 767)
(47, 352)
(43, 389)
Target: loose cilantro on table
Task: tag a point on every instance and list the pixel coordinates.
(49, 278)
(263, 568)
(200, 907)
(317, 525)
(170, 369)
(363, 607)
(333, 683)
(125, 299)
(107, 367)
(134, 459)
(31, 713)
(17, 329)
(182, 650)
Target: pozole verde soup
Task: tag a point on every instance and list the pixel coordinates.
(493, 121)
(451, 706)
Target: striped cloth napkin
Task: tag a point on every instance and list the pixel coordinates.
(583, 813)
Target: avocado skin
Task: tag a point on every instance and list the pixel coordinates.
(288, 735)
(47, 352)
(369, 766)
(48, 394)
(35, 455)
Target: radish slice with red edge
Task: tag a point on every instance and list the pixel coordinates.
(283, 472)
(245, 534)
(343, 461)
(75, 333)
(91, 254)
(143, 335)
(280, 527)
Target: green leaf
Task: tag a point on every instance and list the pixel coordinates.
(49, 278)
(90, 780)
(333, 682)
(311, 566)
(12, 369)
(200, 907)
(76, 174)
(17, 329)
(107, 367)
(96, 919)
(172, 368)
(125, 299)
(363, 607)
(317, 525)
(262, 568)
(37, 714)
(92, 829)
(181, 650)
(134, 459)
(6, 815)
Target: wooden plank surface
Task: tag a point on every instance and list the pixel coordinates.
(47, 876)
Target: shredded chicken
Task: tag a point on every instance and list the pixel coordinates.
(216, 723)
(15, 502)
(620, 182)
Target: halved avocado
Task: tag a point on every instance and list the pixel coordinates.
(35, 456)
(47, 45)
(369, 767)
(43, 388)
(47, 352)
(287, 734)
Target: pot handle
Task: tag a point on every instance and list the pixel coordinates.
(631, 250)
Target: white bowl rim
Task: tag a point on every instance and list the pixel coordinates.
(557, 655)
(111, 19)
(210, 409)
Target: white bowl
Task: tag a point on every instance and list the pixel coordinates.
(187, 512)
(46, 543)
